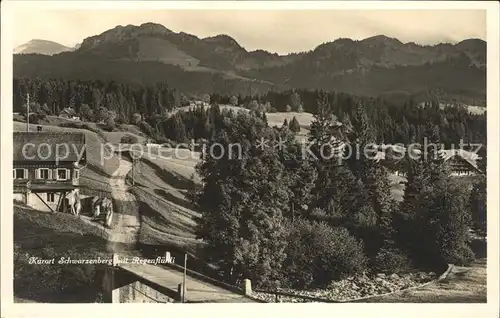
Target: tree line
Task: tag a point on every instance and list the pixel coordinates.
(96, 100)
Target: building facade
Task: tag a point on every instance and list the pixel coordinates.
(46, 169)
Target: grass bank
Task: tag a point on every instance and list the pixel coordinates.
(52, 236)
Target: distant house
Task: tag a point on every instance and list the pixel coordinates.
(67, 112)
(200, 103)
(46, 169)
(459, 161)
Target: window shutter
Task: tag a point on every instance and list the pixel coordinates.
(37, 174)
(25, 174)
(54, 173)
(50, 174)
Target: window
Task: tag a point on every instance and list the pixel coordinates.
(62, 174)
(20, 173)
(44, 173)
(51, 197)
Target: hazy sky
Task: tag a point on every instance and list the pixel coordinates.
(275, 31)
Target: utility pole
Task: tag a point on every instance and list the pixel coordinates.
(28, 112)
(184, 278)
(133, 174)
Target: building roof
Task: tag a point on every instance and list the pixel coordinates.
(465, 156)
(390, 152)
(49, 147)
(68, 110)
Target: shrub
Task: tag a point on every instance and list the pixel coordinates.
(392, 260)
(110, 124)
(37, 118)
(146, 128)
(462, 255)
(136, 118)
(129, 139)
(318, 254)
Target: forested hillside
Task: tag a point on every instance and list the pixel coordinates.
(376, 66)
(94, 100)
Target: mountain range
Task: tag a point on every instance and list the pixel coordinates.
(375, 66)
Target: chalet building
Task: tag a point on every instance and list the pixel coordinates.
(46, 169)
(69, 113)
(460, 162)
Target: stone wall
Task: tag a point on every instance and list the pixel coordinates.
(122, 287)
(137, 292)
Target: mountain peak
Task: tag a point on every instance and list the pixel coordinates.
(222, 39)
(39, 46)
(154, 27)
(40, 41)
(121, 33)
(381, 39)
(471, 44)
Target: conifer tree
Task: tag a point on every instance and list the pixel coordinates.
(285, 123)
(264, 117)
(243, 202)
(478, 206)
(178, 129)
(337, 190)
(294, 125)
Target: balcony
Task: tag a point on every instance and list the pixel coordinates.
(45, 185)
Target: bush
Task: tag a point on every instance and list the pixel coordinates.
(146, 128)
(36, 118)
(392, 260)
(318, 254)
(129, 139)
(110, 124)
(461, 256)
(136, 118)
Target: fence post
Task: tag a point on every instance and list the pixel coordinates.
(180, 292)
(184, 277)
(247, 287)
(115, 259)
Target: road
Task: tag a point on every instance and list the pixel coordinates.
(125, 228)
(197, 290)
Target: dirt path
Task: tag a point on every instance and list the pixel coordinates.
(463, 285)
(125, 225)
